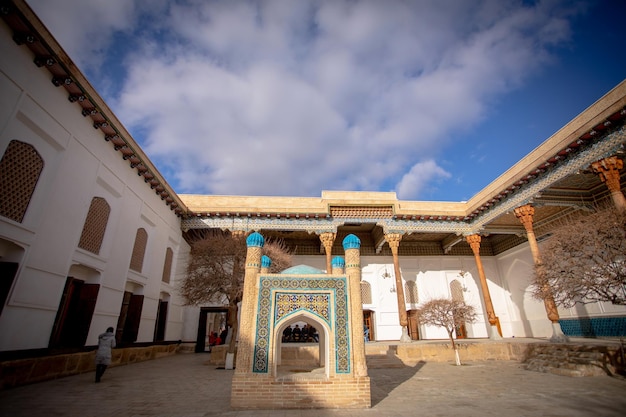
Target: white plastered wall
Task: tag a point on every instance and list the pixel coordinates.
(78, 165)
(508, 278)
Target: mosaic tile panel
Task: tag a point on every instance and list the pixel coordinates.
(289, 303)
(594, 327)
(279, 297)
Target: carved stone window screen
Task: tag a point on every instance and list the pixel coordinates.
(20, 168)
(95, 225)
(410, 292)
(167, 267)
(456, 290)
(366, 292)
(139, 250)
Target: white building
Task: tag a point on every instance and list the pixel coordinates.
(91, 235)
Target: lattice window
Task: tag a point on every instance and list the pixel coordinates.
(95, 225)
(456, 289)
(366, 292)
(410, 292)
(139, 250)
(20, 168)
(167, 268)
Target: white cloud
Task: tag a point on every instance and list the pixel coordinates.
(85, 28)
(290, 98)
(417, 179)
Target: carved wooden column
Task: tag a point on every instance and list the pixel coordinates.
(608, 170)
(327, 239)
(394, 243)
(525, 215)
(474, 242)
(245, 347)
(352, 248)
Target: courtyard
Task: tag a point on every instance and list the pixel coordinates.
(186, 385)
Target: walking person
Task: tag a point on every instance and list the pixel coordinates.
(106, 341)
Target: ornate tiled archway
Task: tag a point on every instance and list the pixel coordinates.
(270, 302)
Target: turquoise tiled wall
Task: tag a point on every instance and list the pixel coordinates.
(594, 326)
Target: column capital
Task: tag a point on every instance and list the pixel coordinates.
(393, 239)
(608, 170)
(525, 215)
(474, 242)
(327, 239)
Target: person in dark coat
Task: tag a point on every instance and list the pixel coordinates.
(313, 334)
(106, 342)
(223, 336)
(296, 333)
(287, 334)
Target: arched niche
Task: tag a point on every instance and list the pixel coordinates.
(323, 331)
(11, 256)
(10, 252)
(84, 273)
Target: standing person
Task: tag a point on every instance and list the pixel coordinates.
(106, 342)
(313, 334)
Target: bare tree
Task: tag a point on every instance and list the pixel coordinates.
(449, 314)
(584, 261)
(215, 273)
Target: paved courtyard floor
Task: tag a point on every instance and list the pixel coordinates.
(184, 385)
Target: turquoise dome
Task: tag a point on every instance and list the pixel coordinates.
(351, 242)
(338, 262)
(265, 261)
(255, 240)
(302, 270)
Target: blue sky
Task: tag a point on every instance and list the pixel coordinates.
(432, 99)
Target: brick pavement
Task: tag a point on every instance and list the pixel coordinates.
(184, 385)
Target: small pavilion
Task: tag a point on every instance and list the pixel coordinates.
(330, 302)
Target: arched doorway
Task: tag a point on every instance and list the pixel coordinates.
(306, 358)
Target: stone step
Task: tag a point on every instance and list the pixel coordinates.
(568, 360)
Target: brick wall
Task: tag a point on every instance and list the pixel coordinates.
(255, 392)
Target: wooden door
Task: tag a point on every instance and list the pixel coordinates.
(85, 306)
(74, 315)
(7, 275)
(413, 325)
(368, 324)
(161, 320)
(133, 319)
(461, 331)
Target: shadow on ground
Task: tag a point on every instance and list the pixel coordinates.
(384, 380)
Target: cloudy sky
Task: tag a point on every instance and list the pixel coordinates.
(433, 99)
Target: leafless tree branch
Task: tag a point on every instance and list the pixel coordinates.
(584, 261)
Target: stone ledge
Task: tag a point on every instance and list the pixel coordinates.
(574, 360)
(19, 372)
